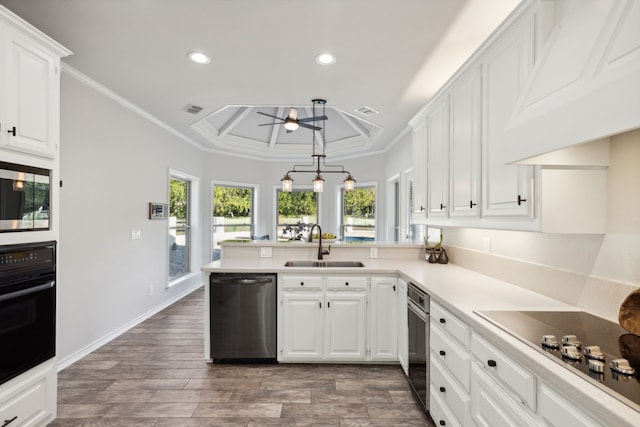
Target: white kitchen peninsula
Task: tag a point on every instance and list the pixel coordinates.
(457, 292)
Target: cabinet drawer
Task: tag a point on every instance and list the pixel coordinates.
(346, 283)
(556, 411)
(451, 355)
(29, 406)
(502, 368)
(491, 406)
(440, 413)
(450, 323)
(301, 282)
(451, 393)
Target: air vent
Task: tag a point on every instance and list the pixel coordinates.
(367, 111)
(192, 109)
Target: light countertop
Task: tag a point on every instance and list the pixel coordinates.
(463, 291)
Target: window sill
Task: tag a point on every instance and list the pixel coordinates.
(183, 279)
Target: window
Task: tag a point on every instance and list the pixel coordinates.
(232, 216)
(179, 226)
(358, 219)
(297, 210)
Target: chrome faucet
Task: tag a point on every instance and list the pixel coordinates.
(321, 251)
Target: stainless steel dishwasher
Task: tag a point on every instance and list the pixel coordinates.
(243, 318)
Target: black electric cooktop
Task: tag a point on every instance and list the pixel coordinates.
(613, 344)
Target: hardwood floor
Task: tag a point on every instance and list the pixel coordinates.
(155, 375)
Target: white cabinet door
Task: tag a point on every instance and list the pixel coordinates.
(383, 309)
(403, 327)
(345, 325)
(419, 152)
(492, 407)
(302, 319)
(438, 158)
(556, 411)
(466, 136)
(507, 189)
(31, 96)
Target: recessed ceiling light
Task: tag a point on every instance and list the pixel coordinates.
(199, 57)
(326, 58)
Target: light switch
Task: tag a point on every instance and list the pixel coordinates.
(265, 252)
(373, 252)
(136, 234)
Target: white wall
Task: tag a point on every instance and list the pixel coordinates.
(113, 163)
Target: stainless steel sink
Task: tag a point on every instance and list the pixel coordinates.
(310, 263)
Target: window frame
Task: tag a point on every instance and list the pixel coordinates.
(191, 227)
(276, 203)
(254, 207)
(340, 208)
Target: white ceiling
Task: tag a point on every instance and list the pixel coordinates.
(392, 55)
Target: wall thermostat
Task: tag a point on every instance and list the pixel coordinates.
(158, 210)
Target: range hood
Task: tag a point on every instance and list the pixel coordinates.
(586, 82)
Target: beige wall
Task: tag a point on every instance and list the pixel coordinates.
(623, 184)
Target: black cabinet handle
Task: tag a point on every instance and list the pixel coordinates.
(492, 363)
(471, 204)
(442, 423)
(328, 304)
(394, 288)
(442, 320)
(442, 207)
(442, 353)
(442, 389)
(301, 283)
(12, 131)
(521, 200)
(346, 283)
(320, 305)
(7, 422)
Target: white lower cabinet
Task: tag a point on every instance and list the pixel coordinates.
(556, 411)
(336, 318)
(30, 399)
(446, 388)
(491, 406)
(440, 412)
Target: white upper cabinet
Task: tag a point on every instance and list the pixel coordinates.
(29, 88)
(438, 158)
(586, 81)
(507, 189)
(466, 135)
(419, 152)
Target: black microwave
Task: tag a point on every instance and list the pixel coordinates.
(25, 196)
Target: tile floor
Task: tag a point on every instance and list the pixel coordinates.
(155, 375)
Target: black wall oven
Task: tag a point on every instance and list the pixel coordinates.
(27, 307)
(25, 195)
(418, 319)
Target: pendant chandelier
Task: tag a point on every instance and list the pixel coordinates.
(318, 160)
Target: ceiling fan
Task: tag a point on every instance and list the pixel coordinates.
(292, 122)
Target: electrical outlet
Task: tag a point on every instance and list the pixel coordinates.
(265, 252)
(373, 252)
(136, 234)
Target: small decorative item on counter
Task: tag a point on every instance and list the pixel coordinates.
(435, 253)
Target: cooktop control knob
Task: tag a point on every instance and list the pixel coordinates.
(571, 340)
(549, 341)
(571, 352)
(593, 352)
(622, 366)
(596, 366)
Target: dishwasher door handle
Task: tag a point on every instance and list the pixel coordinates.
(241, 280)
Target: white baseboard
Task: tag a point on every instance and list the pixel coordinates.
(67, 361)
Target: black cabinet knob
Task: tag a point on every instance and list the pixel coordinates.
(442, 389)
(301, 283)
(346, 283)
(492, 363)
(443, 320)
(442, 423)
(442, 353)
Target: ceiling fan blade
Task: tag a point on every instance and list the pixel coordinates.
(304, 125)
(270, 124)
(313, 119)
(269, 115)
